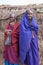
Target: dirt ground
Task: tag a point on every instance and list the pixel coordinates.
(1, 59)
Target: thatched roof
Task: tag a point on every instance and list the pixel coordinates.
(5, 10)
(4, 14)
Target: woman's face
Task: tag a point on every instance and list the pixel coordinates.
(12, 19)
(30, 15)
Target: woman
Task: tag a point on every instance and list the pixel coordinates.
(11, 36)
(28, 39)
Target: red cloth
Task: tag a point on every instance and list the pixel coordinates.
(11, 52)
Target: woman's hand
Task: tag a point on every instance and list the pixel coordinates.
(8, 32)
(33, 34)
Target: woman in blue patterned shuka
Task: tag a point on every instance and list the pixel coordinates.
(28, 39)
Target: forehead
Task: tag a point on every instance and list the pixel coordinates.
(12, 16)
(12, 22)
(30, 14)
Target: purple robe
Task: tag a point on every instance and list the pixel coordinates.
(28, 45)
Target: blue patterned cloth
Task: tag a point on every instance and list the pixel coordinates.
(7, 63)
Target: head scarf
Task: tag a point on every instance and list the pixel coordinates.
(12, 15)
(29, 11)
